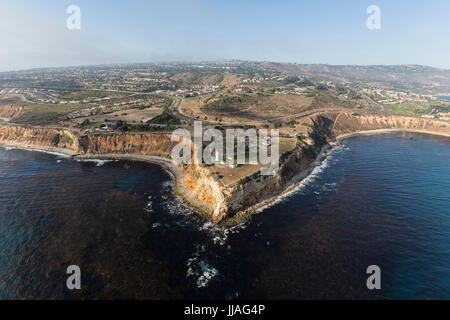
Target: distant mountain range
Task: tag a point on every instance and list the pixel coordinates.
(417, 78)
(407, 77)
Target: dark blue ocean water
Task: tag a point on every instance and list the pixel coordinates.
(383, 200)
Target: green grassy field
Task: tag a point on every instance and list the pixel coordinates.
(13, 101)
(409, 108)
(45, 114)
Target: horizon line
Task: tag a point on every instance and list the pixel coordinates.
(215, 61)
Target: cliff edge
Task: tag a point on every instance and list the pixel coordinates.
(196, 183)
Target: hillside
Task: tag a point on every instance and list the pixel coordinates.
(412, 77)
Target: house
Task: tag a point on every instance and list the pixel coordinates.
(108, 126)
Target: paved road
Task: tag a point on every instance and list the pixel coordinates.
(174, 110)
(24, 99)
(373, 103)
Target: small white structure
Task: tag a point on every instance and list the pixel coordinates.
(233, 165)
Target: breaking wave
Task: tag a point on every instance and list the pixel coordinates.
(99, 162)
(308, 180)
(200, 269)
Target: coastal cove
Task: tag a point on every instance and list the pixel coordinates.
(325, 231)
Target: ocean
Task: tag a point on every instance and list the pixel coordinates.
(379, 200)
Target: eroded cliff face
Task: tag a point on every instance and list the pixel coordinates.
(152, 144)
(204, 192)
(12, 112)
(348, 123)
(39, 137)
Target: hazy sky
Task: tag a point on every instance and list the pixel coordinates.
(34, 33)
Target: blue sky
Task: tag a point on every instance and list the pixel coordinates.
(34, 33)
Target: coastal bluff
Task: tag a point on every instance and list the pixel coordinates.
(197, 184)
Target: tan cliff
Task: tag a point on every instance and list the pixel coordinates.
(196, 183)
(39, 137)
(348, 123)
(12, 112)
(154, 144)
(207, 192)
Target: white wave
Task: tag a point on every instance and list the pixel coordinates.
(219, 235)
(207, 226)
(176, 206)
(58, 154)
(149, 207)
(54, 153)
(314, 174)
(208, 273)
(189, 217)
(198, 268)
(218, 239)
(169, 173)
(329, 187)
(99, 162)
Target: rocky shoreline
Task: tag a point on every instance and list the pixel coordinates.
(177, 173)
(298, 180)
(226, 205)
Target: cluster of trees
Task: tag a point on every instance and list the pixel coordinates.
(322, 87)
(123, 126)
(165, 118)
